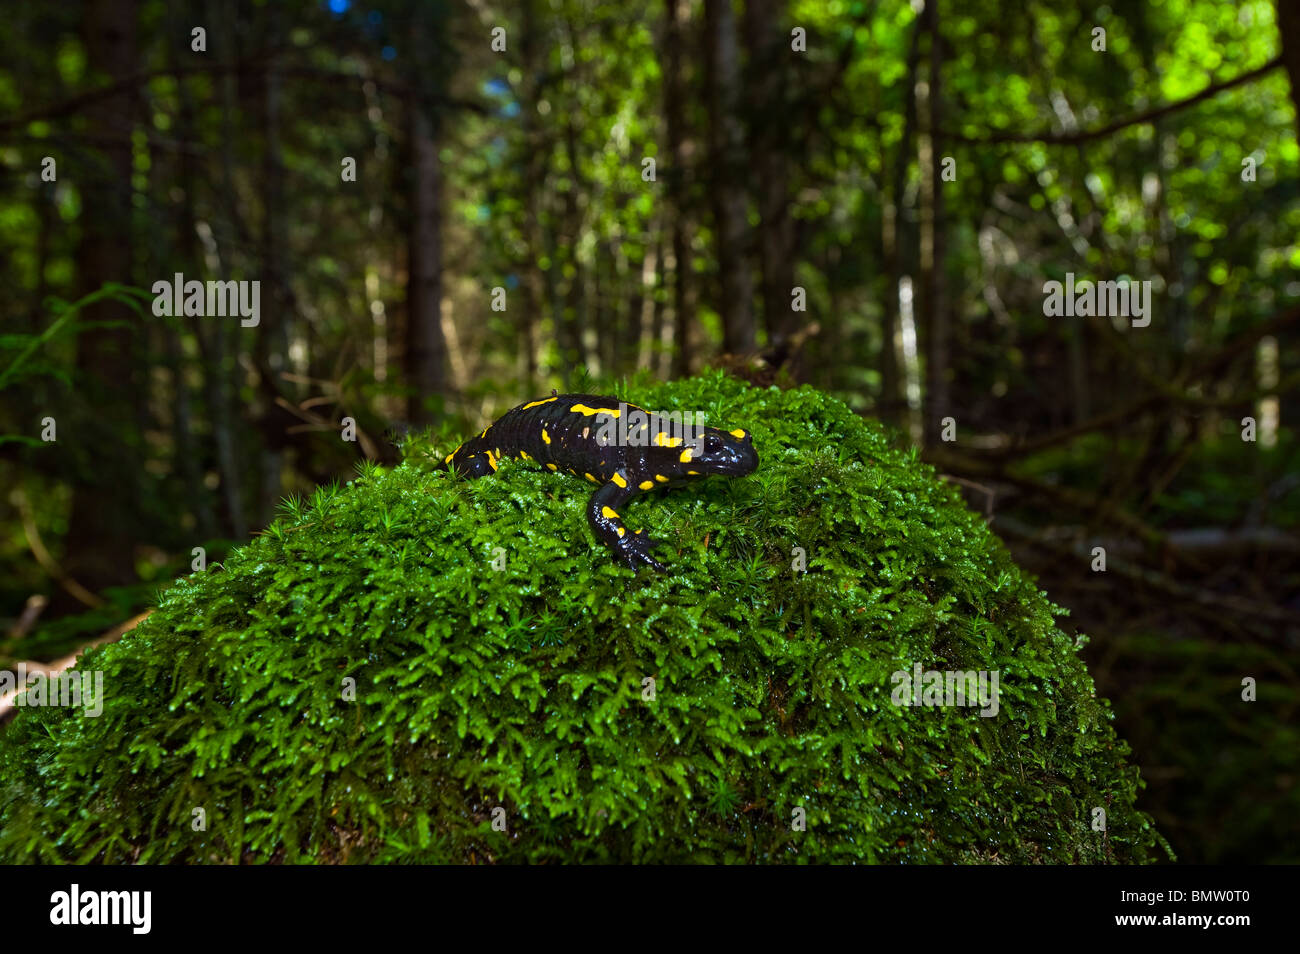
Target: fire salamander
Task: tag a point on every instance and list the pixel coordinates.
(625, 449)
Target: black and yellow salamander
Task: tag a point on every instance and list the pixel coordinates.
(620, 446)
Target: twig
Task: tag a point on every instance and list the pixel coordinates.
(43, 557)
(988, 491)
(36, 604)
(1151, 115)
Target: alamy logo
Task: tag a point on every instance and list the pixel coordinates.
(66, 689)
(102, 907)
(1086, 299)
(210, 299)
(953, 687)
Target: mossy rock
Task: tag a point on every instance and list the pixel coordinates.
(524, 689)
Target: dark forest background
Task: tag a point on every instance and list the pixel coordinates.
(796, 225)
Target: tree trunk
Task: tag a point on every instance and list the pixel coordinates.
(186, 459)
(633, 274)
(573, 324)
(220, 360)
(1288, 24)
(535, 159)
(105, 517)
(272, 341)
(675, 16)
(935, 318)
(426, 347)
(726, 148)
(769, 51)
(895, 241)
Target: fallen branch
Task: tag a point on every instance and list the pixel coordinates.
(1218, 602)
(988, 492)
(1173, 393)
(1214, 542)
(1074, 499)
(9, 699)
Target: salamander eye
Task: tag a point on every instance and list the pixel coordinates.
(712, 442)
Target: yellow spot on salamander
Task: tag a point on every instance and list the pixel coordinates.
(540, 403)
(591, 478)
(447, 459)
(524, 455)
(552, 466)
(646, 485)
(663, 440)
(492, 460)
(546, 438)
(608, 513)
(618, 479)
(485, 430)
(589, 411)
(693, 473)
(621, 531)
(738, 433)
(686, 456)
(661, 478)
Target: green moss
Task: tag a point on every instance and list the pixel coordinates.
(523, 689)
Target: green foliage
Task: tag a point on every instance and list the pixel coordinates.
(20, 354)
(524, 689)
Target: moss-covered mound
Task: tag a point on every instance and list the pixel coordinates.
(518, 698)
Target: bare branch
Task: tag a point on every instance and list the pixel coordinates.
(1151, 115)
(76, 104)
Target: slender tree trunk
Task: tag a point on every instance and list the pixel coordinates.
(186, 461)
(606, 331)
(105, 514)
(186, 252)
(935, 319)
(675, 16)
(272, 341)
(726, 148)
(220, 360)
(652, 319)
(898, 249)
(535, 159)
(1288, 24)
(769, 50)
(45, 208)
(634, 274)
(426, 347)
(573, 327)
(554, 300)
(890, 389)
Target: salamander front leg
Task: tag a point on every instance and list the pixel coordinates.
(606, 522)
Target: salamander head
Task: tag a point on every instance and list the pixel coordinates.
(728, 453)
(473, 465)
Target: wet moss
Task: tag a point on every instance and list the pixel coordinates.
(361, 683)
